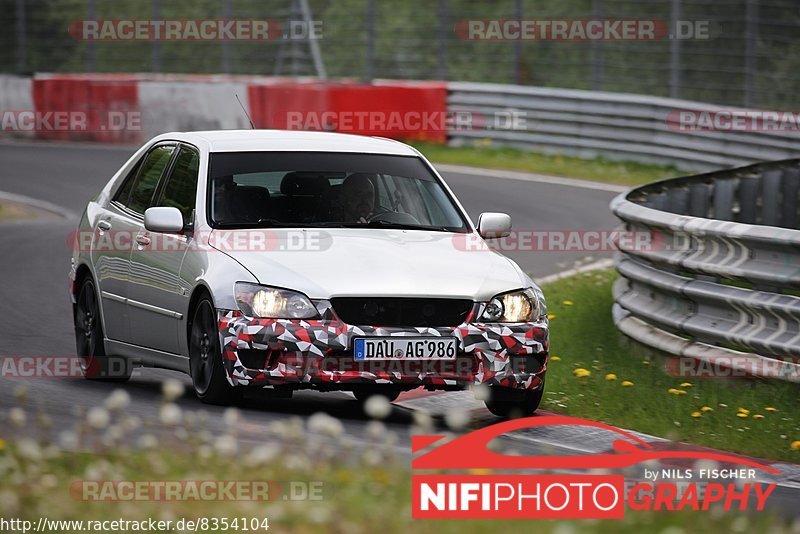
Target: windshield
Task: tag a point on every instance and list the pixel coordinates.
(318, 189)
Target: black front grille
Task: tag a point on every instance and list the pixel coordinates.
(401, 311)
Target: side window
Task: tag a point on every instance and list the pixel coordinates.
(125, 191)
(153, 166)
(181, 189)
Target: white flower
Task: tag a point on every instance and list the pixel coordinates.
(171, 389)
(131, 423)
(17, 416)
(231, 416)
(322, 423)
(29, 449)
(98, 417)
(424, 421)
(263, 454)
(68, 440)
(375, 430)
(9, 502)
(377, 407)
(226, 445)
(170, 414)
(457, 419)
(118, 400)
(481, 392)
(147, 441)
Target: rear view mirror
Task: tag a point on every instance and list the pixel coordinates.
(166, 220)
(493, 225)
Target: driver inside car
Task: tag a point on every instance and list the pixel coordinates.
(358, 198)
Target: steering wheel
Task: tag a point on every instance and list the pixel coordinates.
(393, 217)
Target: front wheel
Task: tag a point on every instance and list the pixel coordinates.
(205, 358)
(504, 402)
(96, 364)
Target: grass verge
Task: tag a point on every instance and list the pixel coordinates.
(12, 211)
(597, 169)
(747, 416)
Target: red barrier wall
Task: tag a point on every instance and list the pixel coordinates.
(400, 111)
(108, 105)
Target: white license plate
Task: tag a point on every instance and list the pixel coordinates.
(405, 348)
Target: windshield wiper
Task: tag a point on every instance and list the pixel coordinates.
(392, 225)
(262, 223)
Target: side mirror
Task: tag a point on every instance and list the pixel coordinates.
(492, 225)
(167, 220)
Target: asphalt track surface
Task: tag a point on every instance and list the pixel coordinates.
(37, 321)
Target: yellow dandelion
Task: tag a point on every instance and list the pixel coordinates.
(771, 409)
(580, 372)
(2, 444)
(611, 376)
(744, 411)
(567, 303)
(555, 359)
(742, 415)
(627, 383)
(551, 315)
(696, 414)
(673, 391)
(706, 409)
(796, 445)
(686, 385)
(758, 416)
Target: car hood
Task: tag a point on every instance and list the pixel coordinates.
(333, 262)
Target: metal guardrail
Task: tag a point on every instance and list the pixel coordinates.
(613, 125)
(720, 280)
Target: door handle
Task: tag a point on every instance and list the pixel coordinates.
(103, 226)
(142, 240)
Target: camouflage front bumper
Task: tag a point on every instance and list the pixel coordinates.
(318, 352)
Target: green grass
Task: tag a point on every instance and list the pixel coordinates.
(597, 169)
(583, 336)
(14, 211)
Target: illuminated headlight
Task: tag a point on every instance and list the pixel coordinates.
(515, 307)
(272, 302)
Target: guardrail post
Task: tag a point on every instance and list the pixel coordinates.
(441, 52)
(370, 48)
(597, 50)
(517, 66)
(22, 46)
(155, 49)
(674, 50)
(226, 44)
(750, 57)
(91, 47)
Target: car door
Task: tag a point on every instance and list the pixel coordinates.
(156, 293)
(125, 224)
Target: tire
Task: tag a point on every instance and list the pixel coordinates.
(205, 357)
(96, 364)
(503, 402)
(362, 395)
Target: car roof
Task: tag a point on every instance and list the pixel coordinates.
(289, 141)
